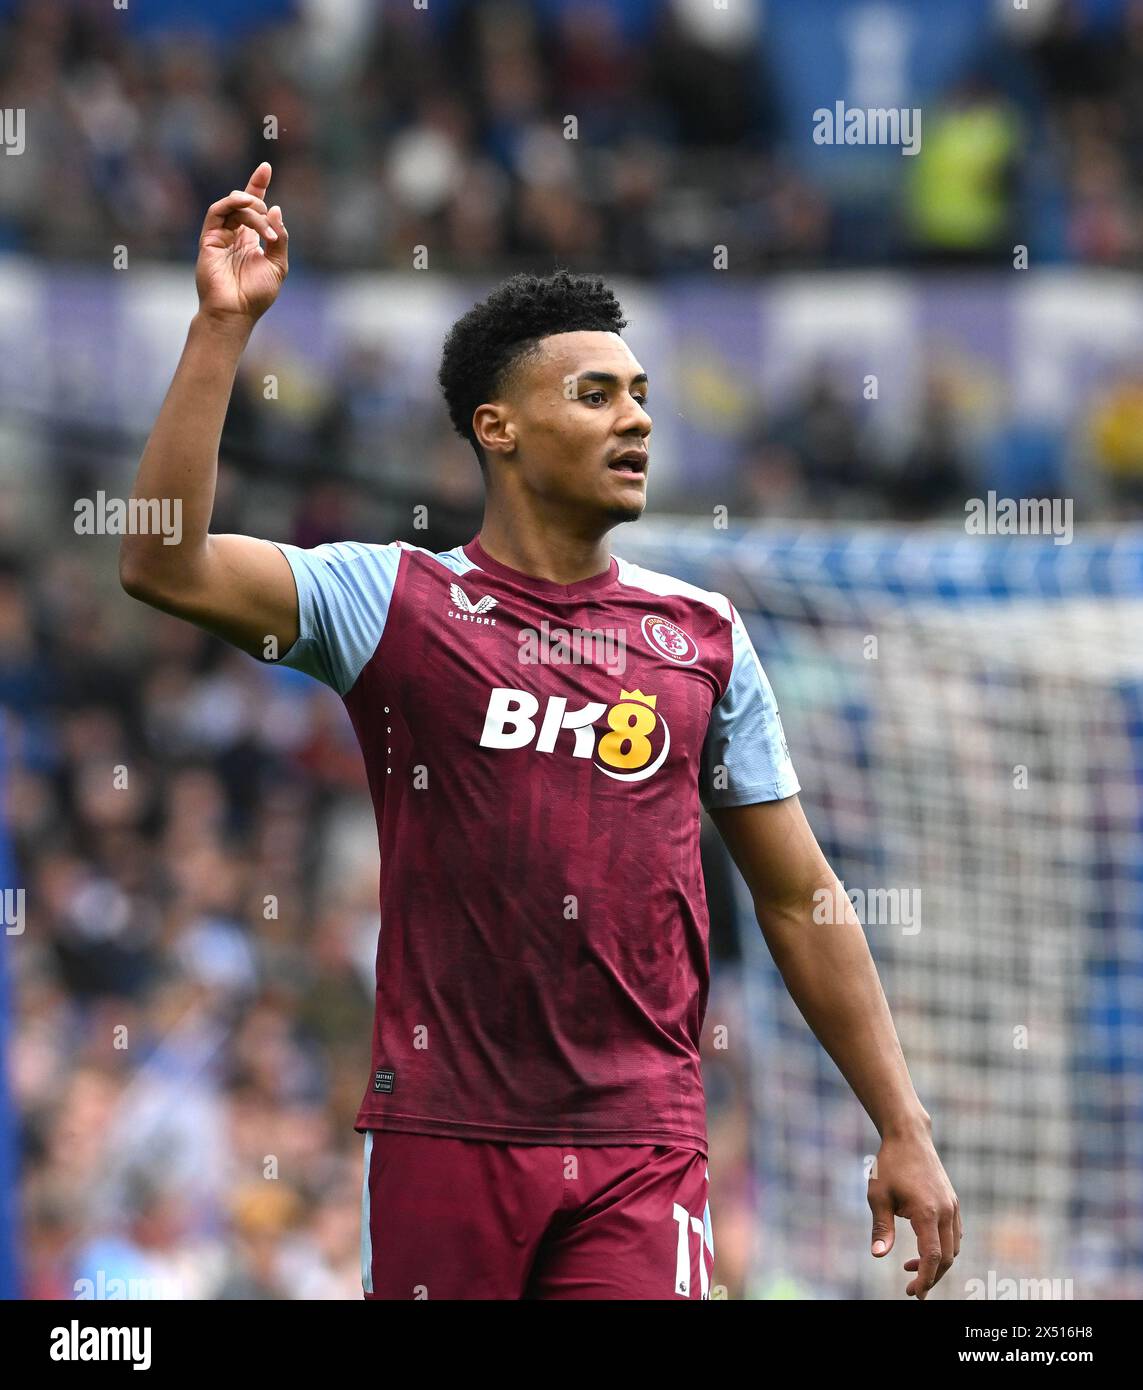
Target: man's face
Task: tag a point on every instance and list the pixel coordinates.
(575, 414)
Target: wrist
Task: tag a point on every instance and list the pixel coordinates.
(913, 1122)
(230, 328)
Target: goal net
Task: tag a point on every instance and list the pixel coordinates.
(965, 716)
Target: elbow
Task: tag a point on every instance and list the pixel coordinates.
(137, 575)
(156, 575)
(131, 573)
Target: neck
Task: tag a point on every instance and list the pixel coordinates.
(544, 550)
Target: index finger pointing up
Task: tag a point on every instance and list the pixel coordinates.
(260, 180)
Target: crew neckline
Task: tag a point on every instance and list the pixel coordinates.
(482, 560)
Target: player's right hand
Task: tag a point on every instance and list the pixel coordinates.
(236, 279)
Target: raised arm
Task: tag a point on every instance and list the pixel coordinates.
(239, 587)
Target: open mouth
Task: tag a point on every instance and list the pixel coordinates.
(632, 465)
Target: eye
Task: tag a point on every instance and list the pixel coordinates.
(594, 395)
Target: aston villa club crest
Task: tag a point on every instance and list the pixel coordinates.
(669, 638)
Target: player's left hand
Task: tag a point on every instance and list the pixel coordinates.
(910, 1181)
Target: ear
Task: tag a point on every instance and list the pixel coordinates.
(495, 432)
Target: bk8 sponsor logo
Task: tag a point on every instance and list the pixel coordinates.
(634, 747)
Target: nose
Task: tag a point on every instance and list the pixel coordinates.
(634, 419)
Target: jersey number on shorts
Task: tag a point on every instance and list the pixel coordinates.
(687, 1224)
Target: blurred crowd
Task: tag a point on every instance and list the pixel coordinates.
(636, 134)
(364, 443)
(819, 454)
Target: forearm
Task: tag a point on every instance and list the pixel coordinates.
(831, 977)
(180, 461)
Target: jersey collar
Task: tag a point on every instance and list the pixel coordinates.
(483, 561)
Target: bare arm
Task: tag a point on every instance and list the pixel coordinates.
(239, 587)
(830, 974)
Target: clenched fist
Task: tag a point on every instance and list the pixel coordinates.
(236, 279)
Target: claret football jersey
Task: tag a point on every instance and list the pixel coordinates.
(538, 756)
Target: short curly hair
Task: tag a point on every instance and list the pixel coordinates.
(485, 344)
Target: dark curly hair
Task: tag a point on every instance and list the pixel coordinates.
(485, 344)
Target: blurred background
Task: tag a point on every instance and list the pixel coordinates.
(846, 344)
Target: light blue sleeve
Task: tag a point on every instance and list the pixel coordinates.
(745, 757)
(344, 592)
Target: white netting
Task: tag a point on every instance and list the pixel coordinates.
(975, 776)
